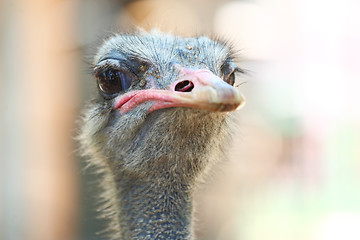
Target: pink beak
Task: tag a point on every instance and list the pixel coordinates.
(195, 89)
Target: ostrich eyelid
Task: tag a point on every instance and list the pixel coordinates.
(131, 64)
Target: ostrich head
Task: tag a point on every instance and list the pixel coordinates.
(160, 119)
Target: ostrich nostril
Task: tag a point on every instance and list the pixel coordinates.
(184, 86)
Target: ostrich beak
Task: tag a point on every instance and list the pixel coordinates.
(195, 89)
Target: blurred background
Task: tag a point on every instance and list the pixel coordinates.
(294, 168)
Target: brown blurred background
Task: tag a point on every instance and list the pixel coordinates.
(294, 168)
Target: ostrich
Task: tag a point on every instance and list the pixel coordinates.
(160, 120)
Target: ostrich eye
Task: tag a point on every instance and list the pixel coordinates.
(113, 81)
(231, 79)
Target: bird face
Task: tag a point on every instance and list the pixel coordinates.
(162, 99)
(167, 72)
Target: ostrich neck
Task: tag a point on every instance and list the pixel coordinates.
(154, 209)
(156, 181)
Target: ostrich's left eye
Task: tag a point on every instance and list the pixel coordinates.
(231, 79)
(113, 81)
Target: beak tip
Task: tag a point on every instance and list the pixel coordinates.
(241, 100)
